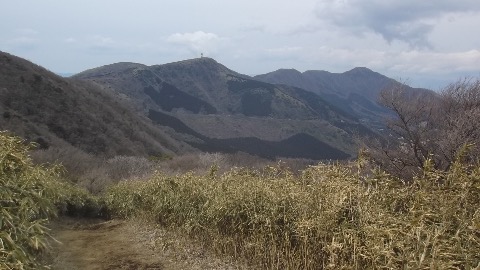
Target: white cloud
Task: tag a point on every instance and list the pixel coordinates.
(198, 42)
(24, 43)
(286, 54)
(22, 39)
(101, 43)
(284, 50)
(254, 27)
(26, 32)
(70, 40)
(439, 63)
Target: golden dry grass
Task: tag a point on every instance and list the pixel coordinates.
(332, 217)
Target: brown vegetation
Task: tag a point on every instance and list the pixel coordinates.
(95, 173)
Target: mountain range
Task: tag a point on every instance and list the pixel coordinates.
(355, 91)
(192, 105)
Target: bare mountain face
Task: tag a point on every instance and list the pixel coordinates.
(53, 111)
(355, 92)
(217, 109)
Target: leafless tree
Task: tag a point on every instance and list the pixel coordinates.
(426, 125)
(460, 119)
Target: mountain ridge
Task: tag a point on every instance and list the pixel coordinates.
(355, 91)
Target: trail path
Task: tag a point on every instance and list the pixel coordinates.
(117, 244)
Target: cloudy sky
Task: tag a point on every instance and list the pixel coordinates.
(427, 42)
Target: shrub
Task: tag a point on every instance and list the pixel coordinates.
(93, 172)
(125, 167)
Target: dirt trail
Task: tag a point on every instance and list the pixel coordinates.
(116, 244)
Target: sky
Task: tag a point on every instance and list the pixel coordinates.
(427, 43)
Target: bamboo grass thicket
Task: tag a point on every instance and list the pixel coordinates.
(331, 217)
(30, 196)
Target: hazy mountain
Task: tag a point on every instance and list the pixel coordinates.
(355, 91)
(54, 111)
(218, 109)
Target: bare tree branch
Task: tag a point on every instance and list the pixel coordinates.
(430, 126)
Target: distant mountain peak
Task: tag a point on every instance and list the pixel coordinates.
(196, 61)
(205, 64)
(359, 70)
(110, 68)
(355, 91)
(284, 75)
(288, 70)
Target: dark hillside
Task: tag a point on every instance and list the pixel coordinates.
(168, 97)
(43, 107)
(298, 146)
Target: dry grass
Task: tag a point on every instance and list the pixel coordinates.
(331, 217)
